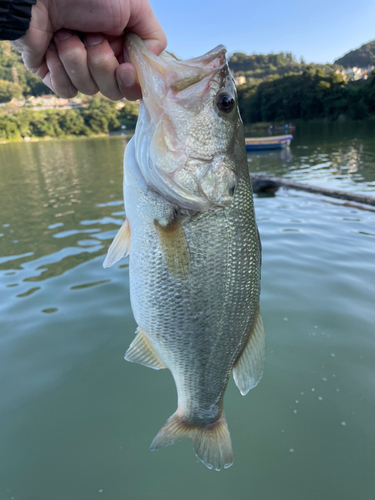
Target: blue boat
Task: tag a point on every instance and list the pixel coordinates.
(271, 142)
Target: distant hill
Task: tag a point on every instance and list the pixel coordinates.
(362, 57)
(260, 67)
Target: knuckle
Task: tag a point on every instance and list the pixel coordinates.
(100, 59)
(56, 66)
(73, 57)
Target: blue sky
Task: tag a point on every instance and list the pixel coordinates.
(318, 30)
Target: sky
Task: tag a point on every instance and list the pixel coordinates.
(319, 30)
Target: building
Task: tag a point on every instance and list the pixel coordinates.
(239, 80)
(355, 73)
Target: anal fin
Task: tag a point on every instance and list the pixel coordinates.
(140, 351)
(248, 369)
(120, 246)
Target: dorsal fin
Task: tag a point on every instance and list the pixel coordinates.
(120, 246)
(248, 369)
(140, 351)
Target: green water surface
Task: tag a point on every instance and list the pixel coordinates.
(76, 420)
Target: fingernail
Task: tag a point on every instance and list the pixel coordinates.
(52, 45)
(127, 78)
(94, 39)
(63, 35)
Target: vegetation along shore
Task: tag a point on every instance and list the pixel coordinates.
(271, 88)
(97, 116)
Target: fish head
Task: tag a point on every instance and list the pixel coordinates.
(188, 126)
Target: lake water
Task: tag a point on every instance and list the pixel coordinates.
(76, 420)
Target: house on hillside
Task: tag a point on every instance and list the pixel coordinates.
(355, 73)
(240, 80)
(17, 102)
(51, 101)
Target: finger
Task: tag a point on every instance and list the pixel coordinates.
(145, 24)
(102, 64)
(57, 78)
(117, 46)
(73, 55)
(127, 81)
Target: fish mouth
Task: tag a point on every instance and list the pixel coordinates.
(173, 91)
(177, 75)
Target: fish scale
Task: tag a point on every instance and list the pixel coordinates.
(185, 333)
(194, 265)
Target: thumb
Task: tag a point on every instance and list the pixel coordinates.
(33, 47)
(144, 23)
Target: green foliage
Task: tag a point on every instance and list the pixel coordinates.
(33, 86)
(370, 94)
(242, 63)
(9, 90)
(307, 96)
(128, 115)
(361, 58)
(100, 117)
(260, 67)
(72, 123)
(9, 127)
(11, 65)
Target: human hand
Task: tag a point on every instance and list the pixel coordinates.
(67, 63)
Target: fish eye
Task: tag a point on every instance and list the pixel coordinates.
(225, 102)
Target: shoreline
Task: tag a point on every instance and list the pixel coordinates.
(26, 140)
(248, 128)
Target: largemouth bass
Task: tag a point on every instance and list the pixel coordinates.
(193, 241)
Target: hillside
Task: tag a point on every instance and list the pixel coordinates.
(12, 70)
(362, 57)
(260, 67)
(310, 95)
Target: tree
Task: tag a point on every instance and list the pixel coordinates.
(72, 123)
(128, 115)
(9, 90)
(310, 95)
(101, 116)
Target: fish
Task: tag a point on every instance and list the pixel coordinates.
(193, 243)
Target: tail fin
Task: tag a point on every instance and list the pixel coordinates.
(212, 444)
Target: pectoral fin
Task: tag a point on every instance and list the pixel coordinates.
(174, 246)
(248, 369)
(140, 351)
(120, 246)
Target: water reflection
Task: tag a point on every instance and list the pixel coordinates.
(40, 182)
(336, 156)
(70, 403)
